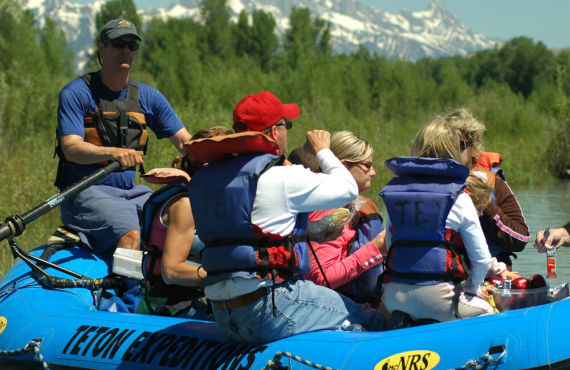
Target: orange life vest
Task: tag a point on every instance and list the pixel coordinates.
(489, 164)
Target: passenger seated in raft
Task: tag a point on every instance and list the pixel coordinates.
(429, 214)
(480, 192)
(173, 273)
(256, 252)
(348, 242)
(502, 220)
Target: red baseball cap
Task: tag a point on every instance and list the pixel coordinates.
(262, 110)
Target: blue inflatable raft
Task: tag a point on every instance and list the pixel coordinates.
(62, 328)
(50, 320)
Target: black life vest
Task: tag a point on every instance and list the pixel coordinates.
(114, 123)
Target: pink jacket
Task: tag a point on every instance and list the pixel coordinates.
(339, 268)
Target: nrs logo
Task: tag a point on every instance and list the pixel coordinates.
(3, 323)
(411, 360)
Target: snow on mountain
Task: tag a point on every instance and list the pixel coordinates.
(432, 33)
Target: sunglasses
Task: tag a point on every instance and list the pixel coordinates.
(288, 124)
(464, 144)
(121, 44)
(365, 167)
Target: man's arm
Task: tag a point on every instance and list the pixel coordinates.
(77, 150)
(179, 138)
(332, 188)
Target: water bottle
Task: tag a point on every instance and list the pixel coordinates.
(506, 288)
(550, 257)
(349, 326)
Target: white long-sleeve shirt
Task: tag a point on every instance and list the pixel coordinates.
(282, 193)
(463, 218)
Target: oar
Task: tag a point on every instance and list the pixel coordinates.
(15, 225)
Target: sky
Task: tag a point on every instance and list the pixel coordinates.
(541, 20)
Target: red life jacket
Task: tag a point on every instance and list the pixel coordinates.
(212, 149)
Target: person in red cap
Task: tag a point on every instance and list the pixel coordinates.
(251, 212)
(264, 112)
(103, 116)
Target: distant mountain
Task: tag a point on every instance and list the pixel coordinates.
(433, 32)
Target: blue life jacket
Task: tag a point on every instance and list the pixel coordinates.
(418, 201)
(364, 286)
(222, 196)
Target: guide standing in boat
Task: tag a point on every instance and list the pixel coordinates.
(103, 116)
(251, 211)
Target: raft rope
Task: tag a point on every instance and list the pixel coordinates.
(96, 286)
(486, 359)
(33, 345)
(276, 364)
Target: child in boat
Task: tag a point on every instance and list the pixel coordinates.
(502, 220)
(480, 192)
(437, 254)
(350, 260)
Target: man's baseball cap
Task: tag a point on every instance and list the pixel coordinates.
(262, 110)
(116, 28)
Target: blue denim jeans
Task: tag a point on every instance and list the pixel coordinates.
(300, 307)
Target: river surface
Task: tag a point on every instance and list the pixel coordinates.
(542, 207)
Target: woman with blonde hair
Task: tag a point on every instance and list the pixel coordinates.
(349, 261)
(502, 220)
(437, 254)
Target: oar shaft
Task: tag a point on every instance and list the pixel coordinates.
(15, 225)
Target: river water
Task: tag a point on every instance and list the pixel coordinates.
(542, 207)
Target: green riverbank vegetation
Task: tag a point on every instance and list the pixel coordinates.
(520, 90)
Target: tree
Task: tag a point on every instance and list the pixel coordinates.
(525, 61)
(54, 45)
(264, 41)
(24, 103)
(241, 33)
(172, 58)
(304, 38)
(299, 39)
(323, 31)
(215, 16)
(117, 9)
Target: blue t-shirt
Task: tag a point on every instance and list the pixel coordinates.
(76, 102)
